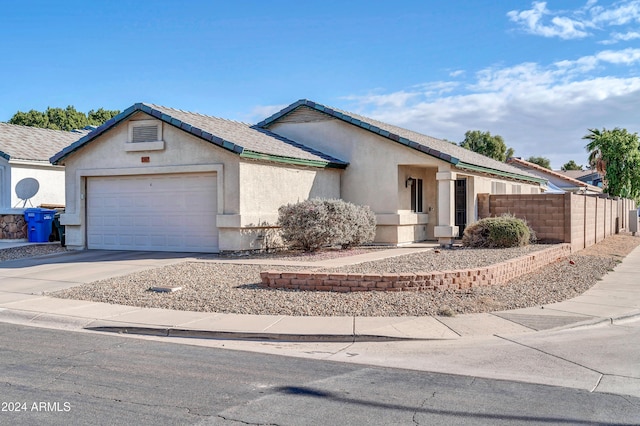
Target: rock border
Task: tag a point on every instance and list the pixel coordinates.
(496, 274)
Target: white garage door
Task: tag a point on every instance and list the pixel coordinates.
(172, 212)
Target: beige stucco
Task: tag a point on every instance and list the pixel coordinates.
(264, 188)
(249, 192)
(50, 179)
(377, 173)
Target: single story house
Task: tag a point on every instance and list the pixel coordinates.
(157, 178)
(25, 153)
(591, 177)
(555, 179)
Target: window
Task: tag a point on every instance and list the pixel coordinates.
(498, 187)
(416, 195)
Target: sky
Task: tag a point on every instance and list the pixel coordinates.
(538, 73)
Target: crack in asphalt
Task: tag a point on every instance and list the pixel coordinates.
(424, 402)
(189, 410)
(246, 423)
(59, 375)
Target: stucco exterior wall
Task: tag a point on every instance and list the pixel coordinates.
(377, 172)
(50, 178)
(264, 188)
(249, 191)
(107, 155)
(376, 175)
(372, 177)
(5, 185)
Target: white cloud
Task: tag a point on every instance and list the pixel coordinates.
(539, 110)
(617, 37)
(580, 23)
(532, 21)
(621, 13)
(260, 112)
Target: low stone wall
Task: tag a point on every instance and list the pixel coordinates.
(497, 274)
(13, 227)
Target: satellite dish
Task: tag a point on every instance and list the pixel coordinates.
(27, 188)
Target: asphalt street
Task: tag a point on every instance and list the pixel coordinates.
(57, 377)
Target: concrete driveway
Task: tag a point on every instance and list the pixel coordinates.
(69, 269)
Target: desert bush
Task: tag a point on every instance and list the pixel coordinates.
(312, 224)
(498, 232)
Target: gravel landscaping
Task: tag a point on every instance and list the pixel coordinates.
(233, 288)
(30, 250)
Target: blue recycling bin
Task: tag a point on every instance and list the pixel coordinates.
(39, 224)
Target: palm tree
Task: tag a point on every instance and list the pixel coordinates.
(596, 148)
(616, 155)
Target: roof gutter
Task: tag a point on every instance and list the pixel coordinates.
(253, 155)
(473, 167)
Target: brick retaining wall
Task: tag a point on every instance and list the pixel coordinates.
(497, 274)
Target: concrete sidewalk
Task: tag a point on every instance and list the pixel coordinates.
(22, 283)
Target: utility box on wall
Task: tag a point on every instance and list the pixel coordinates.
(633, 221)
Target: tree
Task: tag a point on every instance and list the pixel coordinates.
(540, 161)
(485, 144)
(100, 116)
(571, 165)
(510, 153)
(616, 154)
(62, 119)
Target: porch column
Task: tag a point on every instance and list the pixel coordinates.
(446, 230)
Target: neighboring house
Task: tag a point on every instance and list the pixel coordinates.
(591, 177)
(156, 178)
(25, 153)
(556, 180)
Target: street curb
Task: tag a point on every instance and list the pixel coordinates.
(46, 320)
(631, 316)
(248, 336)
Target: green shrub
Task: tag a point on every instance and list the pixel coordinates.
(498, 232)
(312, 224)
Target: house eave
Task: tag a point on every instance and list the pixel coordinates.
(356, 122)
(165, 118)
(253, 155)
(395, 138)
(34, 163)
(487, 170)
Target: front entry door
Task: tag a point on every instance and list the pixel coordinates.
(461, 206)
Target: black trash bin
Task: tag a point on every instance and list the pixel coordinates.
(59, 228)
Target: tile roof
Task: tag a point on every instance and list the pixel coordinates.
(34, 143)
(444, 150)
(240, 138)
(577, 174)
(537, 169)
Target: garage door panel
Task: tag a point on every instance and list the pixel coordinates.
(155, 212)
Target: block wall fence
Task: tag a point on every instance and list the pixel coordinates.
(578, 220)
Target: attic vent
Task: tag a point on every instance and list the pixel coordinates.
(145, 133)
